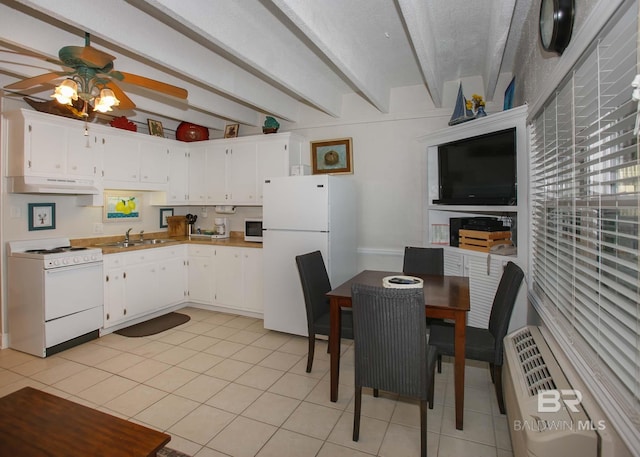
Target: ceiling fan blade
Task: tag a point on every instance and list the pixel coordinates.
(152, 84)
(35, 81)
(125, 101)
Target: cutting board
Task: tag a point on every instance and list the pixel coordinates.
(177, 225)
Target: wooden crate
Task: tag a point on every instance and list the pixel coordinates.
(477, 240)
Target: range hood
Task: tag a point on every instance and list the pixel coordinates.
(43, 185)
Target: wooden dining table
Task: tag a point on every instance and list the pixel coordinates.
(446, 297)
(37, 423)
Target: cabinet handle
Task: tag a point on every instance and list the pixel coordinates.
(108, 317)
(107, 278)
(124, 311)
(124, 275)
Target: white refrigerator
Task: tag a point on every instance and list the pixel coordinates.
(303, 214)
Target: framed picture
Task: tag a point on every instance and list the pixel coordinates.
(121, 206)
(231, 130)
(509, 94)
(164, 214)
(332, 156)
(155, 128)
(42, 216)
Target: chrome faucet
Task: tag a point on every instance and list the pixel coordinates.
(141, 235)
(126, 235)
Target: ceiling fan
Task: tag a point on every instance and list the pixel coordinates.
(90, 72)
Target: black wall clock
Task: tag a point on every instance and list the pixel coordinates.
(556, 24)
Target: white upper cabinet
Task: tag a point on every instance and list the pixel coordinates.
(154, 161)
(46, 146)
(120, 160)
(58, 150)
(216, 171)
(178, 176)
(241, 174)
(198, 175)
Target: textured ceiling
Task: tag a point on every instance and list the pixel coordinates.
(242, 60)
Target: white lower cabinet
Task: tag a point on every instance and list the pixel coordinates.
(483, 281)
(202, 274)
(142, 282)
(115, 308)
(226, 276)
(239, 278)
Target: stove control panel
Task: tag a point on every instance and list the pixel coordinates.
(71, 258)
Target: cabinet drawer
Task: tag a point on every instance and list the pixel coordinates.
(200, 250)
(112, 261)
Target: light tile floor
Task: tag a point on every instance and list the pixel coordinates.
(221, 384)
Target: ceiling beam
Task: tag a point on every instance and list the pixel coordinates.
(501, 16)
(18, 32)
(332, 35)
(217, 22)
(120, 23)
(419, 23)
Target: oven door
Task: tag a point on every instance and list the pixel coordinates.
(68, 290)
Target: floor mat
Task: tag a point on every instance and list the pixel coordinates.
(155, 325)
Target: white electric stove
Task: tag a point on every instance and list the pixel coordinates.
(55, 298)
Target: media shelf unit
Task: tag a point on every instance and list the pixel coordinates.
(483, 275)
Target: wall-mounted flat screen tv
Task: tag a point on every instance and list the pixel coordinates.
(478, 171)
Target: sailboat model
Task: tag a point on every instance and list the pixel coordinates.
(460, 112)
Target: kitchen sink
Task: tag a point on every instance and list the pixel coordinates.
(132, 243)
(154, 241)
(119, 244)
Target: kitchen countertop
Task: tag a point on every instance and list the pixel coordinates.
(235, 240)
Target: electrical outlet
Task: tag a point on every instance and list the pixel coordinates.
(98, 227)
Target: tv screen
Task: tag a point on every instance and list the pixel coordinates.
(479, 170)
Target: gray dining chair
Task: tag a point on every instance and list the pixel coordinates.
(315, 285)
(426, 261)
(390, 347)
(485, 344)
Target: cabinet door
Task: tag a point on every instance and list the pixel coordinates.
(201, 276)
(252, 272)
(154, 162)
(241, 174)
(217, 174)
(82, 154)
(46, 148)
(197, 176)
(171, 280)
(483, 282)
(272, 160)
(229, 281)
(141, 288)
(453, 263)
(120, 158)
(177, 189)
(115, 309)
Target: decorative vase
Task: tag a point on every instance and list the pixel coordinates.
(481, 112)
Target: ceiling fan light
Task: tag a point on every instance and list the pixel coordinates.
(107, 97)
(101, 106)
(66, 91)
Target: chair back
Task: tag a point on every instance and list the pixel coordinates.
(426, 261)
(503, 304)
(315, 284)
(390, 339)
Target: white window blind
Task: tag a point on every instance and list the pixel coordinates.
(585, 203)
